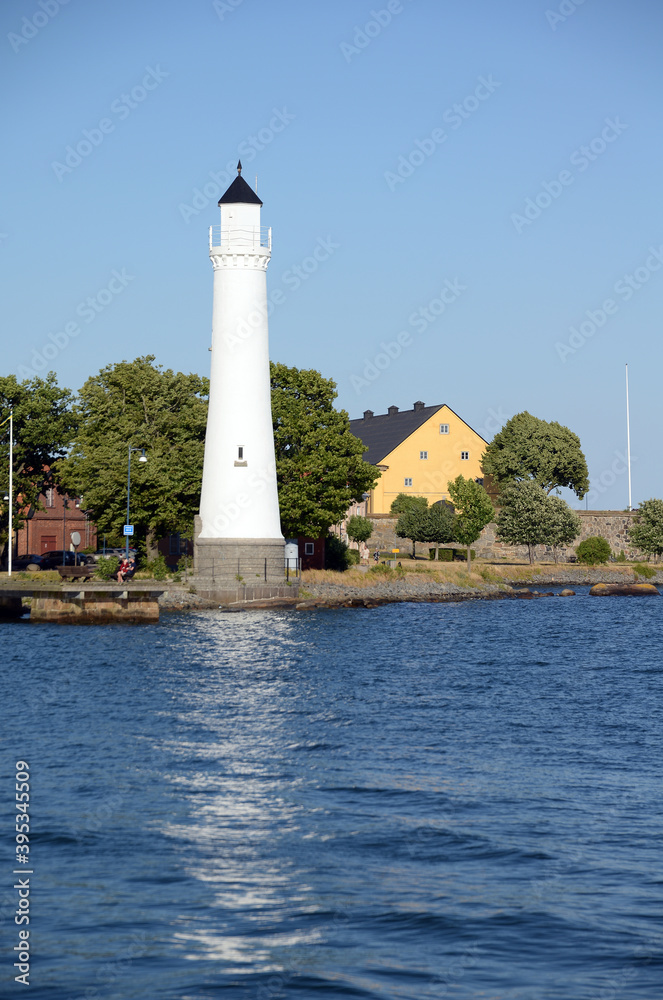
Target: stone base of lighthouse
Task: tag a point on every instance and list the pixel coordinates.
(232, 570)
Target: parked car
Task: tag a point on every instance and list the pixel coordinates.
(33, 562)
(119, 552)
(62, 557)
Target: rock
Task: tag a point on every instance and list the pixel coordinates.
(567, 593)
(624, 590)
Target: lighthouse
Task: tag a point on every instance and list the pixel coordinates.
(238, 545)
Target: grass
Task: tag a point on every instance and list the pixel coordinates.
(414, 572)
(482, 573)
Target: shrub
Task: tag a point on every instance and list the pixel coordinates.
(593, 550)
(157, 568)
(381, 569)
(645, 571)
(446, 555)
(353, 557)
(336, 554)
(107, 567)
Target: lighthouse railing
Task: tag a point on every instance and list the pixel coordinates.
(254, 238)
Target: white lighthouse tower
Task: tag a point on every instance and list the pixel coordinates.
(239, 548)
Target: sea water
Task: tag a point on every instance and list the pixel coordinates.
(420, 800)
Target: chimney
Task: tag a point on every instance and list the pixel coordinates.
(368, 414)
(418, 405)
(392, 410)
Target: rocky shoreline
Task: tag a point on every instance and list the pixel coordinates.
(526, 583)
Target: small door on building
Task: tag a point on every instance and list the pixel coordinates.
(48, 543)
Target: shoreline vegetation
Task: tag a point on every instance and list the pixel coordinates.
(414, 581)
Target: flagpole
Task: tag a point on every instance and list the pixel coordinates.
(628, 443)
(11, 487)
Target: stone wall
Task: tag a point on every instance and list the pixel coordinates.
(609, 524)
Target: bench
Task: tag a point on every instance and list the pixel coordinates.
(76, 572)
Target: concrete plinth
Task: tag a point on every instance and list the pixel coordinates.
(231, 570)
(95, 606)
(214, 590)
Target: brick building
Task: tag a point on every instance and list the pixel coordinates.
(51, 528)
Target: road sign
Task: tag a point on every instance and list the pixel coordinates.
(75, 538)
(128, 529)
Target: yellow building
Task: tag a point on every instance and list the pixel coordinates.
(418, 451)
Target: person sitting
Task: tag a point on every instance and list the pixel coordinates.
(122, 570)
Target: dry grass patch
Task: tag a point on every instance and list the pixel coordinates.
(455, 573)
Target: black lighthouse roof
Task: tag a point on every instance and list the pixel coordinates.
(239, 192)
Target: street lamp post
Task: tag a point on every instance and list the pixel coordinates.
(141, 459)
(10, 496)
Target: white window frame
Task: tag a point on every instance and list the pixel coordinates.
(309, 548)
(465, 456)
(423, 455)
(407, 481)
(444, 428)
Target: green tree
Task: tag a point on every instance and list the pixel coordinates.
(412, 524)
(524, 517)
(140, 404)
(427, 524)
(546, 453)
(405, 502)
(359, 529)
(563, 524)
(473, 511)
(439, 525)
(319, 465)
(44, 427)
(647, 529)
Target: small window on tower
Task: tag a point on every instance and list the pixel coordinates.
(408, 481)
(423, 454)
(465, 455)
(444, 428)
(240, 453)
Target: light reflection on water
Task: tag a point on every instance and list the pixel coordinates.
(417, 801)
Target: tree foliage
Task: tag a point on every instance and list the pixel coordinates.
(646, 532)
(523, 516)
(140, 404)
(439, 525)
(410, 525)
(406, 502)
(473, 510)
(546, 453)
(427, 524)
(319, 465)
(359, 529)
(563, 524)
(44, 426)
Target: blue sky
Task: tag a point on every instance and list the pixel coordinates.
(482, 180)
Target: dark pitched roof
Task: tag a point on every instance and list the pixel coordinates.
(386, 431)
(239, 191)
